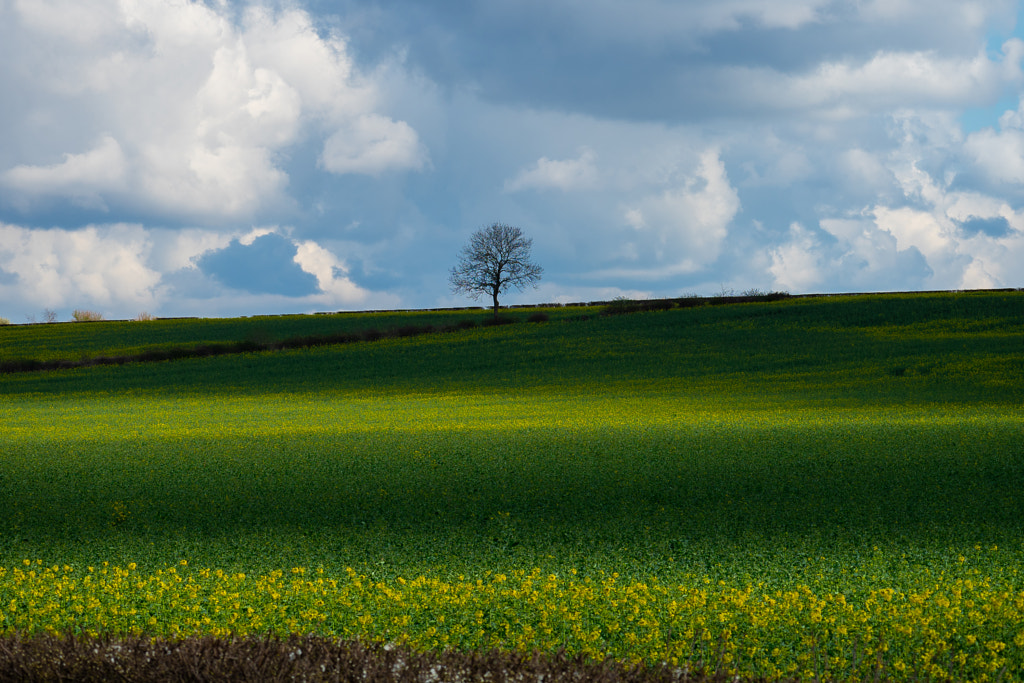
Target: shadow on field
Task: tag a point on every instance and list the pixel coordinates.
(649, 494)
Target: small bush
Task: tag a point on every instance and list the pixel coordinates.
(4, 321)
(657, 305)
(144, 316)
(620, 305)
(538, 317)
(690, 301)
(82, 316)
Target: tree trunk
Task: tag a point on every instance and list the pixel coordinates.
(495, 295)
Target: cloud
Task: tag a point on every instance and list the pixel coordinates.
(797, 265)
(264, 261)
(651, 148)
(94, 266)
(372, 144)
(900, 79)
(654, 20)
(958, 240)
(860, 85)
(682, 229)
(686, 61)
(933, 222)
(83, 177)
(570, 174)
(195, 110)
(330, 272)
(846, 255)
(121, 269)
(999, 154)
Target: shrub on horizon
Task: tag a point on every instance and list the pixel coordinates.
(764, 294)
(80, 316)
(657, 305)
(144, 316)
(620, 305)
(4, 321)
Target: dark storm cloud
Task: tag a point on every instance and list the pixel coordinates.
(682, 61)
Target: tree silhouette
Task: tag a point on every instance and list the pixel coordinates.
(496, 258)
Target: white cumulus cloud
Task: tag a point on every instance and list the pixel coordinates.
(373, 144)
(83, 177)
(567, 174)
(886, 80)
(797, 265)
(906, 247)
(1000, 153)
(194, 109)
(122, 269)
(683, 228)
(331, 274)
(97, 266)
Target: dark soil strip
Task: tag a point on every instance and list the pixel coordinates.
(298, 658)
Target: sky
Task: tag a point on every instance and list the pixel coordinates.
(226, 158)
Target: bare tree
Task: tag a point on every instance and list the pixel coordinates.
(496, 258)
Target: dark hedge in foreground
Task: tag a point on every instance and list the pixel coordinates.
(297, 658)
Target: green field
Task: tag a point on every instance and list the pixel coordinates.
(73, 341)
(803, 487)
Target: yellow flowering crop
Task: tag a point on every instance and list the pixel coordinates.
(960, 627)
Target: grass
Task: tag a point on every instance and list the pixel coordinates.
(811, 448)
(63, 341)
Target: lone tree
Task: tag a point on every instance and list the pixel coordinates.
(496, 258)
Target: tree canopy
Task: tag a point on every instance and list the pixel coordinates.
(496, 258)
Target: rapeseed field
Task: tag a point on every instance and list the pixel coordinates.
(815, 489)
